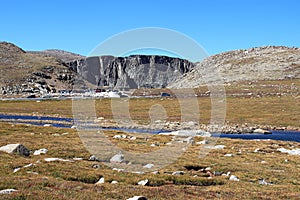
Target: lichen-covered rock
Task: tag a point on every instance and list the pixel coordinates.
(15, 148)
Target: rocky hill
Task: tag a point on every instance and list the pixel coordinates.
(261, 63)
(64, 56)
(32, 72)
(25, 73)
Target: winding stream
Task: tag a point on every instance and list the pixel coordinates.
(62, 122)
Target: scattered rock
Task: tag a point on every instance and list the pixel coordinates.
(57, 159)
(96, 166)
(118, 158)
(7, 191)
(262, 131)
(93, 158)
(201, 133)
(114, 182)
(77, 159)
(40, 151)
(256, 150)
(178, 173)
(143, 182)
(207, 169)
(137, 198)
(148, 166)
(15, 148)
(202, 142)
(215, 147)
(118, 170)
(264, 182)
(216, 173)
(291, 152)
(228, 155)
(132, 138)
(117, 136)
(234, 178)
(30, 172)
(101, 181)
(227, 174)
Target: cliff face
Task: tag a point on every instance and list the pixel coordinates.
(138, 71)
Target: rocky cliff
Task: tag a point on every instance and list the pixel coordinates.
(261, 63)
(137, 71)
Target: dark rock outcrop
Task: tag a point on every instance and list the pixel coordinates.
(137, 71)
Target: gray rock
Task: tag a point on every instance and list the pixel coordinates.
(264, 182)
(118, 158)
(7, 191)
(101, 181)
(148, 166)
(40, 151)
(137, 198)
(93, 158)
(215, 147)
(15, 148)
(262, 131)
(96, 166)
(234, 178)
(138, 71)
(178, 173)
(143, 182)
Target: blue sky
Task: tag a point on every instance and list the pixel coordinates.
(79, 26)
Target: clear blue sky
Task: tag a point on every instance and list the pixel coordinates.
(79, 26)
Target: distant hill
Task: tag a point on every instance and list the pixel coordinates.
(260, 63)
(65, 56)
(31, 73)
(42, 72)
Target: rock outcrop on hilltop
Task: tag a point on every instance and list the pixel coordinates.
(23, 73)
(261, 63)
(137, 71)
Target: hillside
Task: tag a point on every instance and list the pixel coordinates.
(64, 56)
(30, 73)
(261, 63)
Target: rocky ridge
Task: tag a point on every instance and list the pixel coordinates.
(64, 56)
(260, 63)
(24, 73)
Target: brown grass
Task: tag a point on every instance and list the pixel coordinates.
(75, 180)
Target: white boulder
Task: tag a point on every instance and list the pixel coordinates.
(234, 178)
(7, 191)
(143, 182)
(15, 148)
(40, 151)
